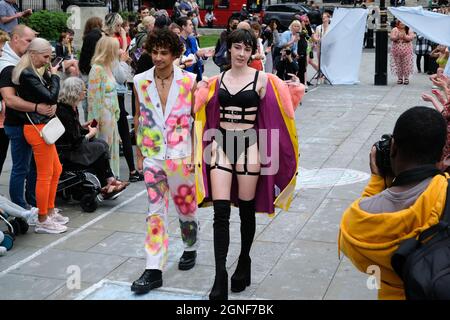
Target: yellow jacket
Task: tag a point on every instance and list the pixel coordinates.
(371, 239)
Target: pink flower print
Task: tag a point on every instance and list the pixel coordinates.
(178, 129)
(156, 184)
(156, 238)
(185, 199)
(144, 84)
(184, 96)
(150, 141)
(147, 118)
(172, 165)
(184, 167)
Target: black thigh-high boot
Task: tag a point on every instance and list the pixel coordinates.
(241, 277)
(221, 228)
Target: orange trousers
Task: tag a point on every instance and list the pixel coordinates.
(48, 168)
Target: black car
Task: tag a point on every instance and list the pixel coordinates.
(284, 13)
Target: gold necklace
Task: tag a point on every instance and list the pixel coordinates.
(164, 79)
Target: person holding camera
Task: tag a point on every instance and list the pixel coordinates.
(406, 195)
(289, 38)
(285, 65)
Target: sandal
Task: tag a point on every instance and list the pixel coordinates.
(110, 191)
(399, 81)
(121, 185)
(406, 81)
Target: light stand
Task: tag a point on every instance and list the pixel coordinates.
(381, 48)
(319, 74)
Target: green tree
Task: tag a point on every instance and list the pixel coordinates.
(48, 24)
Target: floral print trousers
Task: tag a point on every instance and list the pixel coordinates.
(162, 177)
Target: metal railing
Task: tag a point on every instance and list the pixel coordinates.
(50, 5)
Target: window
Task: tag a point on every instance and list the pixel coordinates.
(205, 4)
(292, 9)
(167, 4)
(274, 8)
(301, 8)
(223, 4)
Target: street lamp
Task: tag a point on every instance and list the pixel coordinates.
(381, 48)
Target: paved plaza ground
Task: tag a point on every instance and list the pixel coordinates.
(294, 255)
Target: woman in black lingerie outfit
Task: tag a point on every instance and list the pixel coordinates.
(235, 155)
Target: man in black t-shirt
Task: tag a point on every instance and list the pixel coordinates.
(23, 167)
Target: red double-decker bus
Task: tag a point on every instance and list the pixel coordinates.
(223, 9)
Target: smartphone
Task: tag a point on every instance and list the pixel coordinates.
(94, 123)
(57, 61)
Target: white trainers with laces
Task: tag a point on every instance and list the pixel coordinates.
(33, 216)
(49, 226)
(59, 218)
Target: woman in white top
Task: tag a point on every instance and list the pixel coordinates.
(322, 29)
(258, 59)
(320, 32)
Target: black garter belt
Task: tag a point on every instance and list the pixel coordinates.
(234, 143)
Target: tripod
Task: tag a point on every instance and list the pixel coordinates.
(319, 74)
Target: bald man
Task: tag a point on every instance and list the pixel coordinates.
(244, 25)
(23, 167)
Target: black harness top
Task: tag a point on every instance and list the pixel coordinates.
(243, 99)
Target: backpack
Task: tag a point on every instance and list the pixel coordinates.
(136, 51)
(220, 57)
(424, 263)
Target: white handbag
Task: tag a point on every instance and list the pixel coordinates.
(51, 131)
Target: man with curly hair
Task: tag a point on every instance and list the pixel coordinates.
(163, 126)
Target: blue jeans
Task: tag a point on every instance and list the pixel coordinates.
(23, 168)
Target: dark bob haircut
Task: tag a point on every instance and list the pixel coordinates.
(420, 134)
(164, 38)
(242, 36)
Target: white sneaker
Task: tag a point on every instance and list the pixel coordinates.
(33, 216)
(49, 226)
(58, 218)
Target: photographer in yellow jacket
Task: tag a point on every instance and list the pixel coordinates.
(405, 196)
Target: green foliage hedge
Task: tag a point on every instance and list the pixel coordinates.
(48, 24)
(128, 16)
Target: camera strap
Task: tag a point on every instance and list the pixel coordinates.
(416, 175)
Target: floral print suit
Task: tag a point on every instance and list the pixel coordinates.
(164, 138)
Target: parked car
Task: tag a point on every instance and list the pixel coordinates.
(284, 13)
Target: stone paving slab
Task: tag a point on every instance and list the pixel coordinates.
(64, 293)
(54, 264)
(343, 289)
(304, 271)
(20, 287)
(324, 225)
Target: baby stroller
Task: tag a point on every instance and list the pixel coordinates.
(78, 183)
(12, 227)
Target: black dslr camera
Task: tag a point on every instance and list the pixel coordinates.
(382, 156)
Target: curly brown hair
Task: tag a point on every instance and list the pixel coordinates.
(164, 38)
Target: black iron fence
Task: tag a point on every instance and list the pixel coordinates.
(50, 5)
(56, 5)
